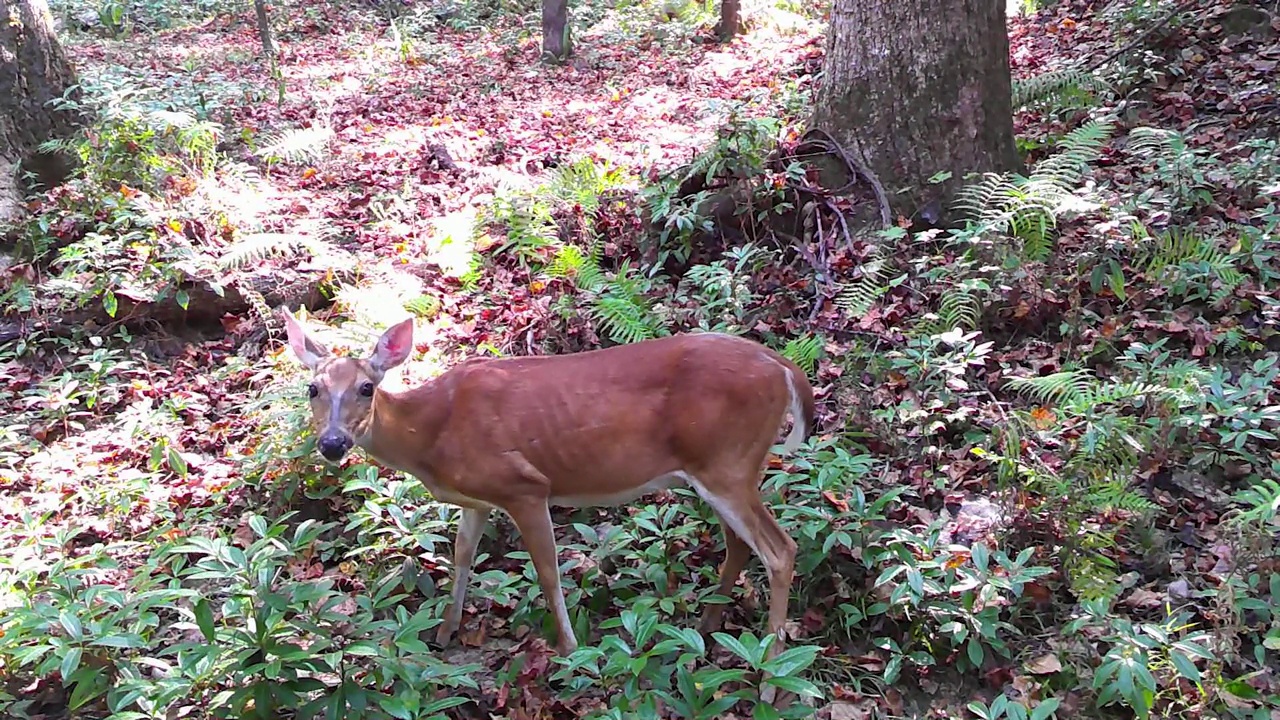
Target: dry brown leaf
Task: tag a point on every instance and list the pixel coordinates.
(1044, 665)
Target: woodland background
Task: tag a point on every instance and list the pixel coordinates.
(1044, 482)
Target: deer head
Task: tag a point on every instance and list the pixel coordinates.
(343, 389)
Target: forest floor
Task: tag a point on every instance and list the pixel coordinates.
(133, 449)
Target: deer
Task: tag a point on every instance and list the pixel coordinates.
(596, 428)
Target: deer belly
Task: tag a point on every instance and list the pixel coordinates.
(445, 494)
(610, 497)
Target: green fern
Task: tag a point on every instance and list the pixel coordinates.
(583, 268)
(254, 248)
(1178, 252)
(296, 145)
(1261, 502)
(423, 306)
(1079, 392)
(582, 181)
(805, 352)
(960, 308)
(621, 309)
(1054, 85)
(1027, 208)
(856, 298)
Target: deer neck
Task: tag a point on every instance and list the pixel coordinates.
(402, 425)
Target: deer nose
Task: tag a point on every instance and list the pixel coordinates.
(333, 446)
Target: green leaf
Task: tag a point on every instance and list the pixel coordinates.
(436, 706)
(975, 651)
(1185, 667)
(765, 712)
(736, 647)
(109, 303)
(690, 637)
(791, 660)
(979, 709)
(204, 619)
(71, 624)
(121, 640)
(70, 662)
(183, 299)
(796, 685)
(176, 461)
(1046, 708)
(1241, 689)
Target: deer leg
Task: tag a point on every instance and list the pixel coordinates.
(756, 526)
(470, 528)
(533, 519)
(736, 555)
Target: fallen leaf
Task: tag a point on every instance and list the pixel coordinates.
(1044, 665)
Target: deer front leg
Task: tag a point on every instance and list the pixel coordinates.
(533, 519)
(470, 528)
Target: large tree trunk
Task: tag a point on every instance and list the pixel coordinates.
(33, 71)
(556, 43)
(914, 88)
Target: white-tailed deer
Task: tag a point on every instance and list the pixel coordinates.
(594, 428)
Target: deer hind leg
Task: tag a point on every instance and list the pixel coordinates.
(747, 516)
(470, 528)
(533, 519)
(736, 555)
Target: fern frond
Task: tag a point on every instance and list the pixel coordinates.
(625, 320)
(252, 249)
(1078, 149)
(1067, 387)
(960, 307)
(975, 200)
(1053, 84)
(1261, 502)
(804, 351)
(1155, 143)
(297, 145)
(856, 298)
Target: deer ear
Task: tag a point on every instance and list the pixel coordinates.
(308, 351)
(394, 346)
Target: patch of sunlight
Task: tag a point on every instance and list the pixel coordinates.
(403, 139)
(450, 245)
(240, 193)
(766, 18)
(375, 302)
(330, 88)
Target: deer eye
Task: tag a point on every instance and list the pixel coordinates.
(367, 389)
(312, 390)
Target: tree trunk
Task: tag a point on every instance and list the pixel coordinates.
(33, 71)
(729, 20)
(915, 88)
(556, 43)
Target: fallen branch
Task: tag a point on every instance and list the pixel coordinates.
(1141, 37)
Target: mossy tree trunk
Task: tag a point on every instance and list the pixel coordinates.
(919, 88)
(556, 43)
(33, 71)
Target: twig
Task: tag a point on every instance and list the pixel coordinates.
(1177, 10)
(848, 238)
(819, 272)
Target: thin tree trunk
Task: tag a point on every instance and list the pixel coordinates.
(264, 29)
(33, 71)
(729, 19)
(269, 46)
(917, 89)
(556, 43)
